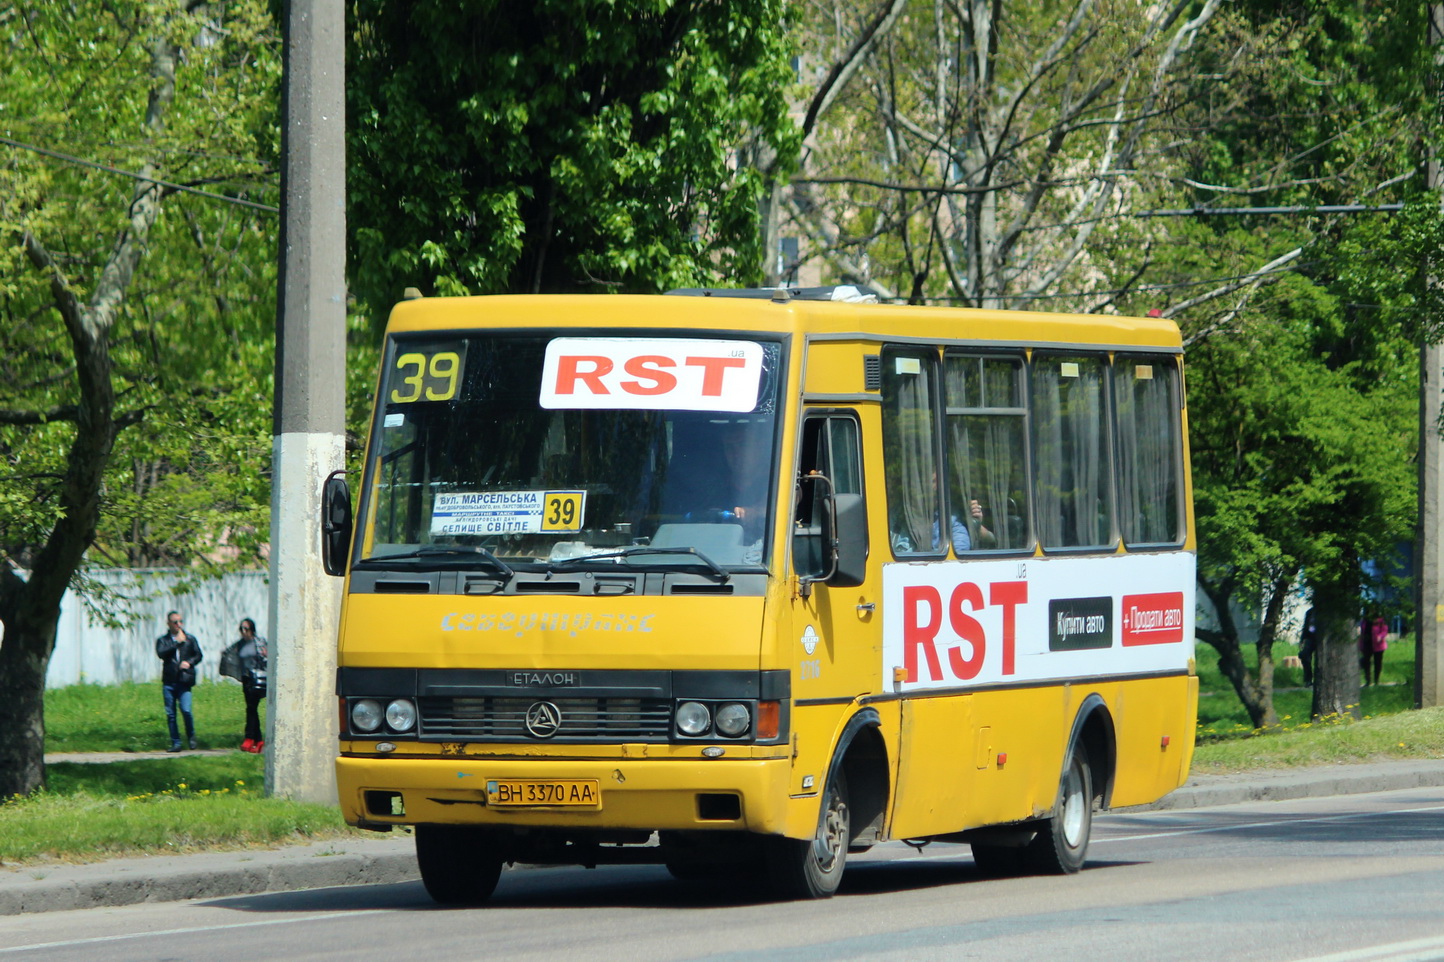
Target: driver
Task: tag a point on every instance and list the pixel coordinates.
(738, 488)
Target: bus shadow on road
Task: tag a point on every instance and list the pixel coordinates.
(621, 887)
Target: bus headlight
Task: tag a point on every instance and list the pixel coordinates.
(733, 719)
(366, 714)
(401, 715)
(693, 718)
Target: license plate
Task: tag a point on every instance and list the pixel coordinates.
(519, 792)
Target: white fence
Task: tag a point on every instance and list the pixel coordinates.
(87, 650)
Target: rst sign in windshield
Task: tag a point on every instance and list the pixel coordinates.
(678, 374)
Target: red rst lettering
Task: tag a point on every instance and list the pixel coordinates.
(967, 628)
(713, 368)
(662, 381)
(569, 373)
(1009, 594)
(917, 635)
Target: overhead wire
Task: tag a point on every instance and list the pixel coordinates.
(81, 162)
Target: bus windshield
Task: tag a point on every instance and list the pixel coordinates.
(509, 451)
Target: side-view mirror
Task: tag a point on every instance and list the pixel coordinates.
(814, 546)
(850, 532)
(335, 523)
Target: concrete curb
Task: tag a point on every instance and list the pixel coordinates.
(1205, 791)
(173, 878)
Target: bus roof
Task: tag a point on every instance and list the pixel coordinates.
(813, 319)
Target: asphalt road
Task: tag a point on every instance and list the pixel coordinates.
(1326, 879)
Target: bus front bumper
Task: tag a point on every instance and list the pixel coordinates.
(618, 794)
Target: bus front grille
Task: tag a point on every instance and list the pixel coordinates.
(581, 719)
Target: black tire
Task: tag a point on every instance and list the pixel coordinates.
(1061, 845)
(459, 865)
(812, 868)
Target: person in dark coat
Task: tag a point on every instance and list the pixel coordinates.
(1308, 647)
(179, 653)
(245, 661)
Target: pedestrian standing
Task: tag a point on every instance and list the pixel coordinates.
(245, 661)
(179, 653)
(1373, 642)
(1308, 647)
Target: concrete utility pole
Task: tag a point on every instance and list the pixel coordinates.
(1429, 545)
(309, 428)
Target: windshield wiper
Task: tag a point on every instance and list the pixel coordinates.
(464, 553)
(721, 573)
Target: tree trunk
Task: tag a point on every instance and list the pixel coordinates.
(1336, 675)
(1268, 632)
(1255, 691)
(24, 656)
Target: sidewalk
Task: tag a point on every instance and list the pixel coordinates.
(390, 857)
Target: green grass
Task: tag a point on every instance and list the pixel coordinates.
(131, 717)
(1388, 728)
(1408, 734)
(155, 805)
(193, 803)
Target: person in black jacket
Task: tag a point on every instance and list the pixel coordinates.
(245, 661)
(179, 653)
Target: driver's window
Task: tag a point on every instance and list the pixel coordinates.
(829, 447)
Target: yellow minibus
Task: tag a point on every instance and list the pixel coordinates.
(742, 582)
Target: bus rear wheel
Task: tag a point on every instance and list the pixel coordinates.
(812, 868)
(459, 864)
(1061, 845)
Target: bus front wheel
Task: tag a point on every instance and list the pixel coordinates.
(1061, 844)
(459, 864)
(812, 868)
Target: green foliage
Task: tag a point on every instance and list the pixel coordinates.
(192, 345)
(561, 145)
(1297, 464)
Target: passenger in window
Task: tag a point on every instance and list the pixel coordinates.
(985, 538)
(962, 539)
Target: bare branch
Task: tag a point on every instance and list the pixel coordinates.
(842, 71)
(1268, 273)
(930, 189)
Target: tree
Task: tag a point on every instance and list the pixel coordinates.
(1022, 155)
(561, 146)
(134, 349)
(1301, 469)
(984, 152)
(1341, 121)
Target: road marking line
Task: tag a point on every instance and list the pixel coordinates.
(1280, 821)
(1286, 820)
(1418, 950)
(99, 939)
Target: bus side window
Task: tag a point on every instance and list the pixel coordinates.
(1150, 450)
(986, 443)
(910, 453)
(1070, 451)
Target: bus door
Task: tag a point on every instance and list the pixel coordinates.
(836, 624)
